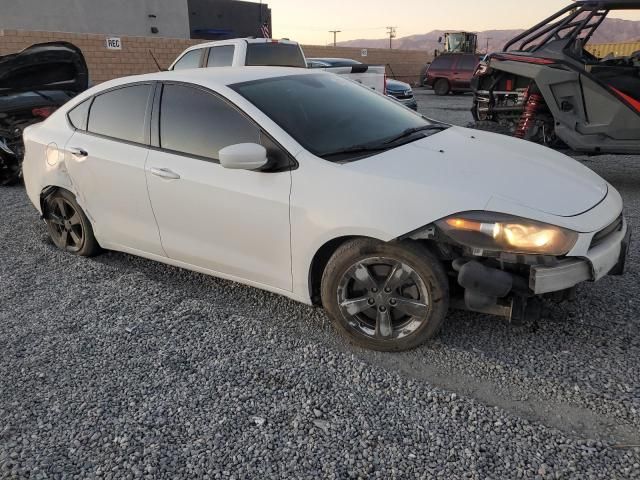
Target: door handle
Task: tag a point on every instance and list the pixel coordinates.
(78, 152)
(165, 173)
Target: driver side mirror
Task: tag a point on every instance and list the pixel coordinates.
(243, 156)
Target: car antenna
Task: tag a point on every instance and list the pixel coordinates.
(160, 69)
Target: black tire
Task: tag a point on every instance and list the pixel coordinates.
(416, 282)
(489, 126)
(69, 228)
(10, 174)
(442, 87)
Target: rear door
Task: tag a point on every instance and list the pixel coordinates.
(106, 158)
(234, 222)
(464, 69)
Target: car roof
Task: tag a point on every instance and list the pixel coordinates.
(213, 77)
(236, 41)
(334, 60)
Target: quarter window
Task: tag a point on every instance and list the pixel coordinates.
(198, 123)
(221, 56)
(78, 116)
(189, 60)
(121, 113)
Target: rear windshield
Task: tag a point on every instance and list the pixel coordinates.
(275, 55)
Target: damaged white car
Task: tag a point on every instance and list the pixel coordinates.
(308, 185)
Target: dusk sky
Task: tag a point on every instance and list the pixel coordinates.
(310, 21)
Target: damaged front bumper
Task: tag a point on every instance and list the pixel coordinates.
(514, 292)
(607, 258)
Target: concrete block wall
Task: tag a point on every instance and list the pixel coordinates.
(601, 50)
(134, 58)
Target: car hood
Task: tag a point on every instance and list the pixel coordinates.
(491, 168)
(396, 85)
(45, 66)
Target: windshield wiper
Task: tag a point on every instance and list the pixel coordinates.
(387, 144)
(438, 127)
(356, 149)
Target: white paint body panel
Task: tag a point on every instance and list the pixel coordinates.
(229, 221)
(263, 229)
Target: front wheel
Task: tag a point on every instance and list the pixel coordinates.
(386, 297)
(69, 227)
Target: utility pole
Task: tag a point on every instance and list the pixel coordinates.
(335, 35)
(391, 31)
(488, 38)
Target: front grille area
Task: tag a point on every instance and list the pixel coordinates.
(402, 95)
(602, 235)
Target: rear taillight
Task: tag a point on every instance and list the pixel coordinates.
(43, 112)
(523, 58)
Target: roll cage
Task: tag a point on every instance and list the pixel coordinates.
(577, 21)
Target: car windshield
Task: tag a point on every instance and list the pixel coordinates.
(274, 55)
(329, 115)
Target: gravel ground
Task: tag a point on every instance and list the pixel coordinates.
(118, 367)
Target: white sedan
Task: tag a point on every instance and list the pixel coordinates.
(311, 186)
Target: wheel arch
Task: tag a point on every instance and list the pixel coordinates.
(319, 263)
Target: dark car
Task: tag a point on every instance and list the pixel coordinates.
(33, 84)
(402, 92)
(452, 72)
(395, 89)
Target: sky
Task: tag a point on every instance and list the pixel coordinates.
(309, 21)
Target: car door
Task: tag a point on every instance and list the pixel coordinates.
(465, 68)
(234, 222)
(106, 158)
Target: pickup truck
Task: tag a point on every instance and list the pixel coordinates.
(241, 52)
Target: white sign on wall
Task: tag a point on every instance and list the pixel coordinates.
(114, 43)
(364, 52)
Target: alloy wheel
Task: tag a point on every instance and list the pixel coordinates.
(67, 230)
(383, 298)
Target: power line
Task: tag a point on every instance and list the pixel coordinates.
(335, 35)
(391, 31)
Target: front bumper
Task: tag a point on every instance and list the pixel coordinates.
(608, 258)
(407, 102)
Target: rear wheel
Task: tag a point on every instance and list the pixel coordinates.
(387, 297)
(68, 225)
(441, 87)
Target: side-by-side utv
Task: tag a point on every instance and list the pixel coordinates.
(546, 88)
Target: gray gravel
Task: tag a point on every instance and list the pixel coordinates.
(118, 367)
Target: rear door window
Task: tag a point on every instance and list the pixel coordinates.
(189, 60)
(221, 56)
(467, 63)
(198, 123)
(121, 113)
(275, 55)
(444, 62)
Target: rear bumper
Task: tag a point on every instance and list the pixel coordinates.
(608, 258)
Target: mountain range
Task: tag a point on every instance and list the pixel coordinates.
(613, 30)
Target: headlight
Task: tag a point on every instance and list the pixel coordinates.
(505, 233)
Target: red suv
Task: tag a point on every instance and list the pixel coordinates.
(451, 72)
